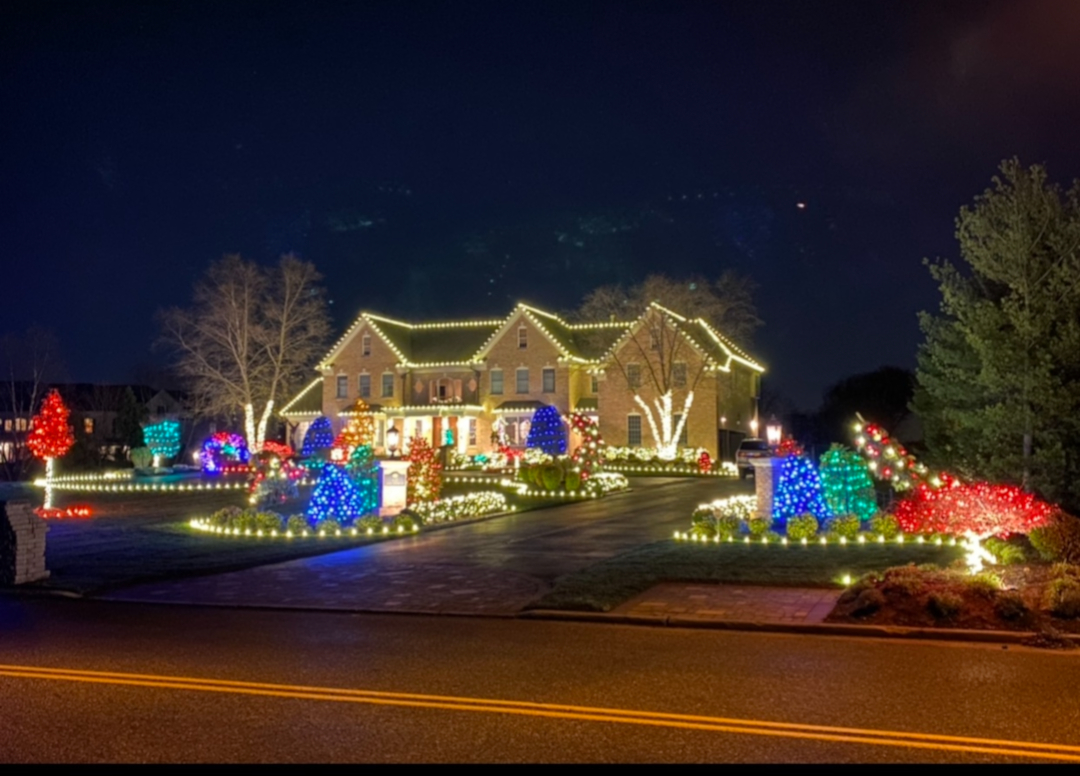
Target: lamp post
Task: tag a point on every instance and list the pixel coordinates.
(773, 434)
(393, 436)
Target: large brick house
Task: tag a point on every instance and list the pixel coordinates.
(457, 382)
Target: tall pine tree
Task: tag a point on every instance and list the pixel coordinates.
(999, 373)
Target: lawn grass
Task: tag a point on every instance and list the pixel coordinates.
(604, 585)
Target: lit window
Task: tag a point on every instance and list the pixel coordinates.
(342, 387)
(88, 425)
(678, 375)
(388, 385)
(365, 345)
(594, 386)
(496, 382)
(7, 425)
(365, 386)
(20, 424)
(633, 375)
(380, 432)
(549, 380)
(523, 337)
(418, 428)
(523, 381)
(633, 430)
(472, 432)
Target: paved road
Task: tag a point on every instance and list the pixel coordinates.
(493, 567)
(490, 690)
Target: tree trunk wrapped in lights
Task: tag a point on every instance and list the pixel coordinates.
(50, 436)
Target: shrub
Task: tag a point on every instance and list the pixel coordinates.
(267, 521)
(551, 475)
(802, 527)
(885, 525)
(984, 583)
(1007, 553)
(141, 457)
(1059, 539)
(328, 525)
(406, 521)
(944, 606)
(573, 481)
(844, 525)
(374, 522)
(1010, 606)
(868, 602)
(758, 526)
(1063, 597)
(906, 580)
(297, 524)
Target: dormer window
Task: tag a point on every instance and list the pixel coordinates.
(365, 345)
(523, 337)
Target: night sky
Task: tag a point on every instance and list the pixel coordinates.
(447, 159)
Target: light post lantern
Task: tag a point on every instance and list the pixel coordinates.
(773, 433)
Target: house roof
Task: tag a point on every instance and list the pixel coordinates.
(467, 342)
(306, 403)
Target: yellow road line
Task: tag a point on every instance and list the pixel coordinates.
(1027, 749)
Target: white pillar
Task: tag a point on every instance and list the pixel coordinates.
(393, 486)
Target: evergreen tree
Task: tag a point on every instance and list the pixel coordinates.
(130, 416)
(999, 373)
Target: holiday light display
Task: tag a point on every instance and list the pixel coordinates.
(335, 498)
(425, 473)
(668, 432)
(704, 462)
(222, 449)
(798, 491)
(319, 436)
(363, 469)
(360, 430)
(547, 432)
(888, 461)
(589, 455)
(788, 447)
(282, 451)
(976, 511)
(50, 435)
(275, 478)
(847, 484)
(163, 439)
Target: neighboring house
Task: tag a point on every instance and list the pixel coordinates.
(464, 383)
(94, 409)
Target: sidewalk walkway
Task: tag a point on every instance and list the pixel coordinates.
(795, 605)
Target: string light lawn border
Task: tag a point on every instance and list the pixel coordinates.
(201, 524)
(687, 472)
(862, 540)
(522, 489)
(146, 487)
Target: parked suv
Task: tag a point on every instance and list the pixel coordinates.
(749, 449)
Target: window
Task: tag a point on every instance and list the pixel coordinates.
(678, 374)
(365, 386)
(472, 432)
(511, 432)
(20, 424)
(7, 425)
(380, 432)
(442, 389)
(365, 345)
(633, 430)
(523, 381)
(633, 375)
(549, 380)
(684, 435)
(523, 337)
(388, 385)
(594, 384)
(88, 425)
(496, 382)
(342, 387)
(418, 428)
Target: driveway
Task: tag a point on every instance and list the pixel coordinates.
(492, 567)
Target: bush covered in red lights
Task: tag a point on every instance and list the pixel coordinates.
(981, 508)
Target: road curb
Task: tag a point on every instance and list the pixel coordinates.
(816, 629)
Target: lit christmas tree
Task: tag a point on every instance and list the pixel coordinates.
(798, 491)
(424, 476)
(50, 435)
(846, 480)
(547, 431)
(360, 430)
(335, 498)
(163, 439)
(589, 455)
(363, 469)
(319, 436)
